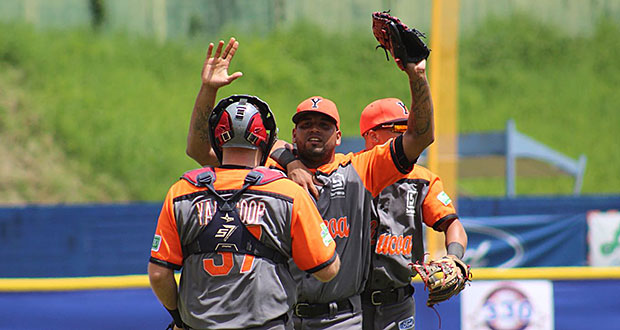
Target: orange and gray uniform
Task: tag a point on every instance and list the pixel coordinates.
(350, 183)
(223, 290)
(396, 228)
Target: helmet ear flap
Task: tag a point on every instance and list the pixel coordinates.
(256, 133)
(223, 129)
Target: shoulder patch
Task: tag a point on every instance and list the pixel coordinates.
(444, 198)
(325, 235)
(156, 243)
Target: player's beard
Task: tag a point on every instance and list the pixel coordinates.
(313, 155)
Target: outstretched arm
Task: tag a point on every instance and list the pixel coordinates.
(421, 127)
(214, 75)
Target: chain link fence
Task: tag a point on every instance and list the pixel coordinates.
(165, 19)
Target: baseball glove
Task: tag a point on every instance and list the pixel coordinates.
(402, 42)
(444, 278)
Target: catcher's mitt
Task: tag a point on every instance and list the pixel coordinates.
(444, 278)
(403, 43)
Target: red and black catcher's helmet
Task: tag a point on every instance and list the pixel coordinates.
(242, 121)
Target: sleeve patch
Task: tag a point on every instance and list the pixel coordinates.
(444, 198)
(325, 235)
(156, 243)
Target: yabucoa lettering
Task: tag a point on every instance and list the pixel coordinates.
(338, 228)
(394, 244)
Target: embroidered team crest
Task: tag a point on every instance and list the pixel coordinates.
(315, 102)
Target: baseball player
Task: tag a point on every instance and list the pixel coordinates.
(234, 229)
(348, 184)
(396, 225)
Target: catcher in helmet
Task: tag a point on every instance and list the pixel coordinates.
(234, 230)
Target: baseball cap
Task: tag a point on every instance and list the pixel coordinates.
(382, 111)
(318, 104)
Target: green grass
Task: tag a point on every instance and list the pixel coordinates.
(119, 106)
(561, 90)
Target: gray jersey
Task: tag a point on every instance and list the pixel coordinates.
(398, 212)
(350, 182)
(223, 290)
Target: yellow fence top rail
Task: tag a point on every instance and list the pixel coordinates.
(142, 281)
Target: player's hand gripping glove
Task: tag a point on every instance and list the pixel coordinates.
(402, 42)
(444, 278)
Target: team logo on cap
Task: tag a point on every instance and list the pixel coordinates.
(315, 102)
(402, 105)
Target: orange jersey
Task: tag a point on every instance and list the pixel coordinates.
(279, 213)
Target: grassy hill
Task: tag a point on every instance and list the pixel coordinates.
(99, 117)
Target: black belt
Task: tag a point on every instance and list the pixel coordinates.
(388, 296)
(283, 318)
(307, 310)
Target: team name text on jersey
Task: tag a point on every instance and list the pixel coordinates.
(393, 244)
(338, 228)
(250, 212)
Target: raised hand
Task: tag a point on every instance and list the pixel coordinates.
(416, 70)
(215, 68)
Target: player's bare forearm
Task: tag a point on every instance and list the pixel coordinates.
(198, 144)
(421, 128)
(328, 273)
(164, 285)
(455, 233)
(214, 75)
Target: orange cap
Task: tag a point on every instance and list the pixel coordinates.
(383, 111)
(318, 104)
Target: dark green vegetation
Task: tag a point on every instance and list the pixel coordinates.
(100, 117)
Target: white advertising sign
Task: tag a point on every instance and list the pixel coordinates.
(508, 305)
(604, 238)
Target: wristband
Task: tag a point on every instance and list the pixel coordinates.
(176, 316)
(283, 157)
(456, 249)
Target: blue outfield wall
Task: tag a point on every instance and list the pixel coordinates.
(489, 206)
(76, 240)
(91, 309)
(115, 239)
